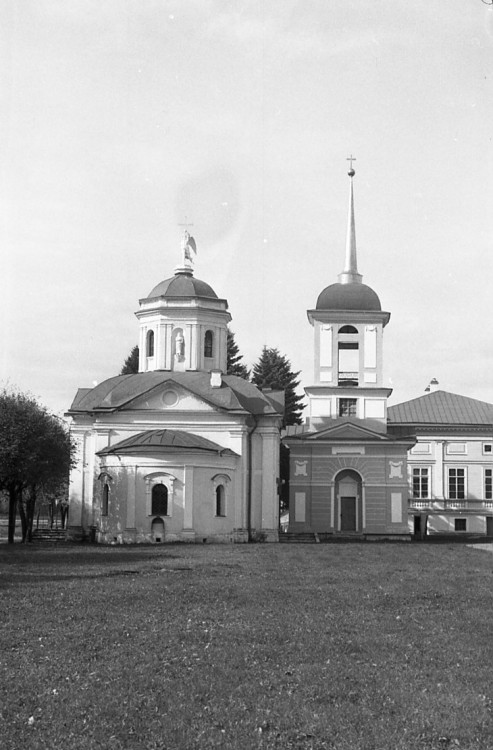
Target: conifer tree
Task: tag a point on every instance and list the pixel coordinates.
(234, 364)
(273, 370)
(131, 364)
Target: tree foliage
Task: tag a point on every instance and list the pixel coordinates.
(273, 370)
(131, 364)
(234, 364)
(36, 453)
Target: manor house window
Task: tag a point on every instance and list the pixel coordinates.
(488, 484)
(420, 483)
(457, 484)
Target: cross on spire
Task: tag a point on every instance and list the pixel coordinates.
(186, 223)
(350, 159)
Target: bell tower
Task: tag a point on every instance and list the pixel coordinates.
(348, 324)
(183, 323)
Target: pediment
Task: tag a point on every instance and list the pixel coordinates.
(350, 431)
(169, 396)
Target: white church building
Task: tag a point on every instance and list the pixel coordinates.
(179, 451)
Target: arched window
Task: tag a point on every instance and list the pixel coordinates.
(150, 344)
(159, 502)
(348, 329)
(208, 344)
(220, 500)
(106, 500)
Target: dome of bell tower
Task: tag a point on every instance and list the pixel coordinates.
(348, 297)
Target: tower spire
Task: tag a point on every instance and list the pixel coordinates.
(350, 274)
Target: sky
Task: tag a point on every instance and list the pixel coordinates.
(122, 119)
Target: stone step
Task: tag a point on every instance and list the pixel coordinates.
(49, 535)
(301, 537)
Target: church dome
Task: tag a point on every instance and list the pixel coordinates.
(183, 284)
(348, 297)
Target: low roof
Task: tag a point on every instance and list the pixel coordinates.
(234, 394)
(347, 430)
(166, 441)
(441, 408)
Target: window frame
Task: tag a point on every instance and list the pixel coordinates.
(160, 477)
(353, 403)
(220, 501)
(457, 496)
(421, 469)
(488, 483)
(150, 343)
(461, 521)
(221, 480)
(158, 512)
(106, 480)
(209, 344)
(105, 500)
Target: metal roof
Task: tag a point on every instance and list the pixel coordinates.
(348, 297)
(182, 284)
(441, 407)
(175, 441)
(234, 394)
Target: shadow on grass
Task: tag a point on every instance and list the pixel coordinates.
(14, 579)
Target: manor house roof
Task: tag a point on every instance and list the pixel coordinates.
(441, 408)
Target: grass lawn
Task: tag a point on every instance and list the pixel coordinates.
(376, 646)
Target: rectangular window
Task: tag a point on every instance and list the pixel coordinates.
(347, 407)
(456, 484)
(421, 488)
(460, 524)
(488, 484)
(487, 447)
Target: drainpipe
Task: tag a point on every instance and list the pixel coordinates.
(250, 479)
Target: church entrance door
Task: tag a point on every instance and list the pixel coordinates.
(349, 509)
(348, 514)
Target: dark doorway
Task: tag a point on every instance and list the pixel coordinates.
(489, 525)
(348, 514)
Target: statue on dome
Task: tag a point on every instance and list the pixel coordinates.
(188, 246)
(179, 346)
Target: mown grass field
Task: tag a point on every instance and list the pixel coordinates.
(295, 646)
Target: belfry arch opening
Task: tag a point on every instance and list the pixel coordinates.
(348, 329)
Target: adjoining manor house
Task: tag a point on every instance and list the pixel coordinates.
(183, 452)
